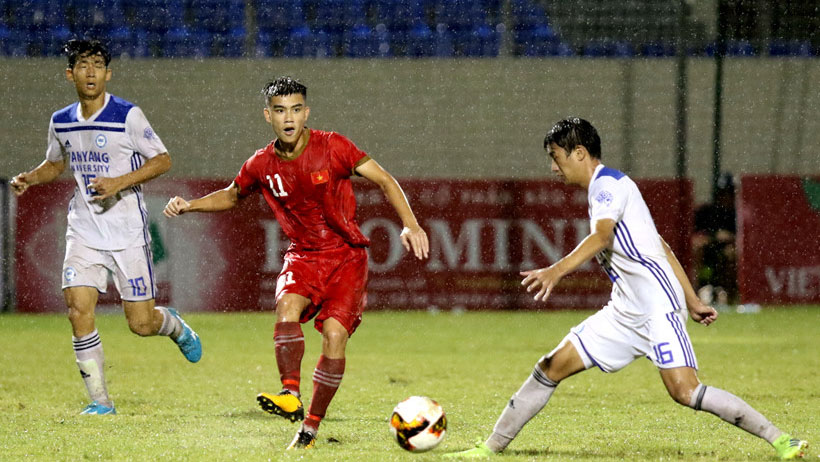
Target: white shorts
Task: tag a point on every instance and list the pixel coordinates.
(132, 268)
(604, 341)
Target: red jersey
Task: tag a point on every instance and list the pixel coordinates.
(311, 195)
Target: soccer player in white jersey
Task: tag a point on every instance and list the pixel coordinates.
(111, 149)
(646, 315)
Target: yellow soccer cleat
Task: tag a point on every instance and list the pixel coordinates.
(285, 404)
(303, 440)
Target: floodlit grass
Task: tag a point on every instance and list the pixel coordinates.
(471, 363)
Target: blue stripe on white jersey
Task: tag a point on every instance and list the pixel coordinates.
(102, 128)
(628, 246)
(683, 340)
(136, 163)
(643, 280)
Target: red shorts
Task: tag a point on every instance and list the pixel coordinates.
(334, 281)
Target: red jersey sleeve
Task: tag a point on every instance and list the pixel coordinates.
(344, 155)
(246, 179)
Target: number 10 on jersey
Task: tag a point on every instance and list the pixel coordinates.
(277, 189)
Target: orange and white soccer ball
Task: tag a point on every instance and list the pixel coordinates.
(418, 423)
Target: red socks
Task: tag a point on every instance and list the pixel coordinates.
(290, 347)
(326, 380)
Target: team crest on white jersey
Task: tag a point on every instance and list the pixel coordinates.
(604, 197)
(69, 274)
(148, 133)
(100, 140)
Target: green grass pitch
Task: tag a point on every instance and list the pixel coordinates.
(471, 363)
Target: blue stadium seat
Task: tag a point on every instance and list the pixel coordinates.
(277, 21)
(479, 41)
(360, 42)
(300, 43)
(279, 14)
(220, 23)
(420, 40)
(800, 48)
(17, 42)
(658, 49)
(608, 48)
(444, 46)
(739, 48)
(536, 39)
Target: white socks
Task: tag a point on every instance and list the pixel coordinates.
(523, 406)
(171, 327)
(733, 410)
(90, 359)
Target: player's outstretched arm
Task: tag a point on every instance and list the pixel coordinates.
(413, 236)
(154, 167)
(216, 201)
(545, 279)
(46, 172)
(699, 312)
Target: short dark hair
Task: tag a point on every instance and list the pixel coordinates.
(76, 48)
(572, 132)
(283, 86)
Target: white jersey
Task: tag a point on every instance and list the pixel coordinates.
(643, 282)
(114, 141)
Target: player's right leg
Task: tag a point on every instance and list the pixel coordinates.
(88, 349)
(533, 395)
(84, 276)
(289, 343)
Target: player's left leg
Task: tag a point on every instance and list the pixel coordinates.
(145, 319)
(326, 380)
(685, 388)
(134, 277)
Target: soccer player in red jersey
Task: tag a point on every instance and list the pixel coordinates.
(304, 175)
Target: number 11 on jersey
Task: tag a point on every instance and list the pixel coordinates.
(278, 189)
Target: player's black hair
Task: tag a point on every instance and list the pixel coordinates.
(573, 132)
(76, 48)
(283, 86)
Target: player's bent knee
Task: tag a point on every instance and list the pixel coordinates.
(143, 328)
(682, 393)
(335, 336)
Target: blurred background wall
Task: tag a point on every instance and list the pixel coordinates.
(444, 88)
(466, 118)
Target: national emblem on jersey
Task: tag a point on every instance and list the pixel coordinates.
(319, 177)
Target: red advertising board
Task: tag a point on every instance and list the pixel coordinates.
(779, 239)
(482, 233)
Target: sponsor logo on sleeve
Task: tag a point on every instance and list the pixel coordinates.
(148, 134)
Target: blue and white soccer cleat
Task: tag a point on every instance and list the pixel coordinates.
(96, 408)
(188, 340)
